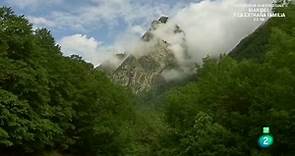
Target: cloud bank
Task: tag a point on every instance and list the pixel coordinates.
(93, 14)
(41, 21)
(89, 48)
(210, 29)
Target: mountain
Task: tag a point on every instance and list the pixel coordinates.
(257, 44)
(153, 63)
(146, 68)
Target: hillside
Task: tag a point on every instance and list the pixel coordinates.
(257, 44)
(49, 102)
(224, 110)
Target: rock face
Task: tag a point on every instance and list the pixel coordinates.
(141, 73)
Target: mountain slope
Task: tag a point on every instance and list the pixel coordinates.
(143, 73)
(147, 70)
(224, 110)
(257, 44)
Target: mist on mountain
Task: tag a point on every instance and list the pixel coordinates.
(203, 29)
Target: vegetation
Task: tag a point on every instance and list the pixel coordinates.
(257, 44)
(56, 105)
(222, 112)
(48, 101)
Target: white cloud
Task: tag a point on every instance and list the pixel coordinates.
(137, 29)
(41, 21)
(108, 12)
(88, 47)
(210, 26)
(212, 29)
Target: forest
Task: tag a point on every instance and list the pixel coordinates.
(52, 105)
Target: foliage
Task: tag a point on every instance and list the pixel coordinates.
(238, 98)
(257, 44)
(48, 101)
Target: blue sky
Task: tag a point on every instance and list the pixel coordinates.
(91, 28)
(96, 29)
(102, 19)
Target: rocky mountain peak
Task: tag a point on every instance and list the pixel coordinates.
(144, 72)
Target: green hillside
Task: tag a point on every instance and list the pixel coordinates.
(51, 102)
(257, 44)
(223, 112)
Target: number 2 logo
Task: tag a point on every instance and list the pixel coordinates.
(265, 141)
